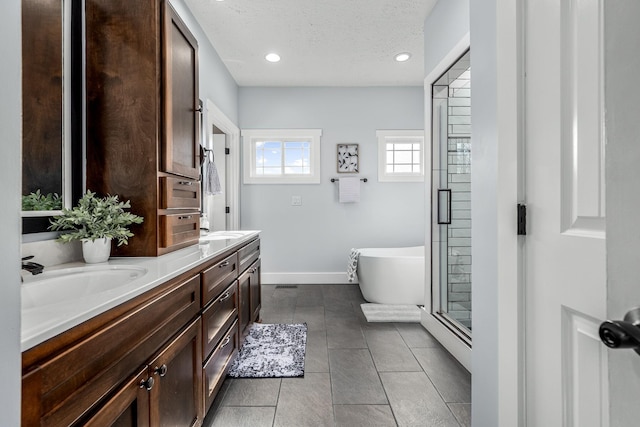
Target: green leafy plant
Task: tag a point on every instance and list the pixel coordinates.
(41, 202)
(94, 218)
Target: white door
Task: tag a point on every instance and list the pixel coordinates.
(565, 264)
(622, 36)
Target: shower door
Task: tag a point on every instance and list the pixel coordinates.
(451, 281)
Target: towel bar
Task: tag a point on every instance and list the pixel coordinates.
(338, 179)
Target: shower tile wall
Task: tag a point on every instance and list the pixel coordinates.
(459, 170)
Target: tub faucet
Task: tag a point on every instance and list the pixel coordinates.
(32, 267)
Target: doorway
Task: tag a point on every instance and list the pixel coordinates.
(222, 138)
(215, 202)
(451, 195)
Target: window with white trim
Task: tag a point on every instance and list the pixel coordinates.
(281, 156)
(400, 155)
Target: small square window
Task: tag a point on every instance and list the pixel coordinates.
(400, 155)
(285, 156)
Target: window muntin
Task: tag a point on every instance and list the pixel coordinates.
(281, 156)
(400, 155)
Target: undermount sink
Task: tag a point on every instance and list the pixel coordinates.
(224, 235)
(69, 284)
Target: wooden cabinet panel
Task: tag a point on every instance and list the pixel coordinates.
(128, 407)
(255, 296)
(244, 313)
(76, 378)
(180, 228)
(141, 118)
(179, 193)
(176, 397)
(123, 109)
(181, 154)
(216, 278)
(249, 298)
(217, 366)
(248, 255)
(217, 318)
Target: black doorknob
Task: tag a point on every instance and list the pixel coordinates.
(622, 333)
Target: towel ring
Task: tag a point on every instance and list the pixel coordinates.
(206, 152)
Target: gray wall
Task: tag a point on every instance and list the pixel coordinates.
(216, 82)
(484, 208)
(317, 236)
(447, 23)
(10, 176)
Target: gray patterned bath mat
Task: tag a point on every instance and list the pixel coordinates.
(272, 351)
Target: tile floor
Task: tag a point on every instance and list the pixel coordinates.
(356, 373)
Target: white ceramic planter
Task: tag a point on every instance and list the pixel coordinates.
(96, 251)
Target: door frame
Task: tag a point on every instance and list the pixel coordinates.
(459, 348)
(216, 117)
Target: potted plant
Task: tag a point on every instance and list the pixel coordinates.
(96, 221)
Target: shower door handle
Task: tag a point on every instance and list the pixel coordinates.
(444, 208)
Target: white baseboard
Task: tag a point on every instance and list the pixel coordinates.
(458, 349)
(305, 278)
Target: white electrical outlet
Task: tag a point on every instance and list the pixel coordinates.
(296, 200)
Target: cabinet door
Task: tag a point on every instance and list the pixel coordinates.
(176, 397)
(181, 154)
(244, 314)
(128, 407)
(254, 291)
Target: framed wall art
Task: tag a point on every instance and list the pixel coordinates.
(348, 158)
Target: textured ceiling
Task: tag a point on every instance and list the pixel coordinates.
(321, 42)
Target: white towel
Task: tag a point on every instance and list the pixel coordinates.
(211, 178)
(349, 190)
(352, 266)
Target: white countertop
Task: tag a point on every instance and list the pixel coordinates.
(41, 323)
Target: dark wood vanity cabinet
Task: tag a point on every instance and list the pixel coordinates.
(156, 360)
(249, 295)
(142, 119)
(167, 392)
(66, 377)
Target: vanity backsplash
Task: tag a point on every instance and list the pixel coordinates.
(50, 252)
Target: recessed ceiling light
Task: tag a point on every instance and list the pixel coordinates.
(272, 57)
(402, 57)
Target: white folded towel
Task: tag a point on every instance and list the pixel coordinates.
(352, 266)
(349, 189)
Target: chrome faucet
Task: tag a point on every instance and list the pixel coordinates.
(32, 267)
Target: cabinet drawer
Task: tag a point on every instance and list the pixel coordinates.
(179, 228)
(217, 318)
(248, 255)
(179, 193)
(216, 278)
(217, 366)
(82, 375)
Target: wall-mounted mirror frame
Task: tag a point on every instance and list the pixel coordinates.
(61, 158)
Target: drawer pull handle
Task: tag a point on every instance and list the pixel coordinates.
(148, 383)
(185, 183)
(162, 370)
(225, 296)
(225, 343)
(185, 217)
(224, 264)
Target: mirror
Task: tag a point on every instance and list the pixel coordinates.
(51, 175)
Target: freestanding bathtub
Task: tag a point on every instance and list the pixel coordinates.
(392, 275)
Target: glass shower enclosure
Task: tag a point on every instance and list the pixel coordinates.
(451, 196)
